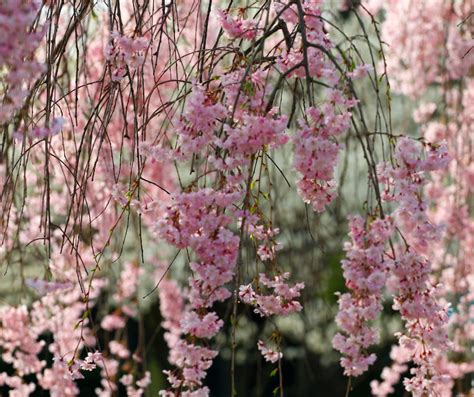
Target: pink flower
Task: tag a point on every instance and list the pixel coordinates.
(112, 322)
(360, 71)
(280, 302)
(118, 349)
(269, 355)
(237, 28)
(205, 326)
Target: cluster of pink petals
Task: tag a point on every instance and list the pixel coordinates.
(171, 308)
(415, 297)
(135, 388)
(267, 353)
(205, 326)
(266, 237)
(391, 375)
(316, 150)
(365, 271)
(90, 361)
(255, 132)
(198, 122)
(58, 313)
(197, 220)
(424, 45)
(404, 183)
(17, 44)
(192, 361)
(118, 349)
(128, 282)
(124, 52)
(237, 27)
(279, 301)
(16, 384)
(60, 379)
(313, 45)
(19, 341)
(112, 322)
(368, 268)
(245, 92)
(430, 48)
(200, 219)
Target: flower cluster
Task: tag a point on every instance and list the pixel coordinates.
(193, 362)
(281, 300)
(135, 388)
(307, 58)
(245, 92)
(316, 151)
(59, 315)
(18, 42)
(197, 124)
(227, 129)
(125, 53)
(404, 183)
(237, 27)
(269, 354)
(197, 220)
(365, 271)
(266, 237)
(414, 296)
(429, 48)
(391, 375)
(440, 64)
(233, 131)
(316, 148)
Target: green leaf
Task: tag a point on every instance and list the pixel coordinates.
(248, 88)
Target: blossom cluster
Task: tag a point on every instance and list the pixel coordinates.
(237, 27)
(58, 314)
(414, 295)
(198, 220)
(18, 43)
(316, 152)
(316, 148)
(266, 238)
(430, 48)
(281, 300)
(391, 375)
(125, 53)
(229, 132)
(405, 271)
(430, 51)
(404, 183)
(365, 270)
